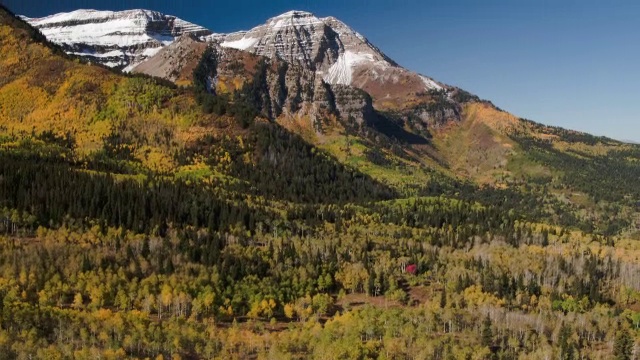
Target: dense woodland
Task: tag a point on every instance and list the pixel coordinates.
(100, 264)
(256, 244)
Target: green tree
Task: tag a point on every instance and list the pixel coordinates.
(487, 332)
(623, 345)
(443, 297)
(567, 350)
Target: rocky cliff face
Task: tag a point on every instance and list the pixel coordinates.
(288, 91)
(114, 38)
(299, 93)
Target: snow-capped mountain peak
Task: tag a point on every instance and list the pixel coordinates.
(325, 45)
(294, 13)
(114, 38)
(293, 17)
(328, 46)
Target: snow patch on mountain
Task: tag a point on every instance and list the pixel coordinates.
(77, 15)
(342, 70)
(113, 53)
(151, 51)
(430, 84)
(241, 44)
(293, 18)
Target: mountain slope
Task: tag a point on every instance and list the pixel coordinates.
(174, 62)
(306, 72)
(468, 137)
(285, 69)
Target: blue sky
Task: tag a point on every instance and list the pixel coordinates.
(574, 64)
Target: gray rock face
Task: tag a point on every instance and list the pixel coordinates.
(353, 105)
(299, 92)
(296, 37)
(114, 38)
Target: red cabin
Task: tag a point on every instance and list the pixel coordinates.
(412, 269)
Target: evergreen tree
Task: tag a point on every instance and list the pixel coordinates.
(567, 350)
(487, 332)
(623, 345)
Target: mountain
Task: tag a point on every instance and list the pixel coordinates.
(114, 38)
(309, 84)
(135, 124)
(299, 37)
(323, 80)
(325, 53)
(336, 52)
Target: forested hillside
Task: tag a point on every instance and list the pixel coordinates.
(141, 220)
